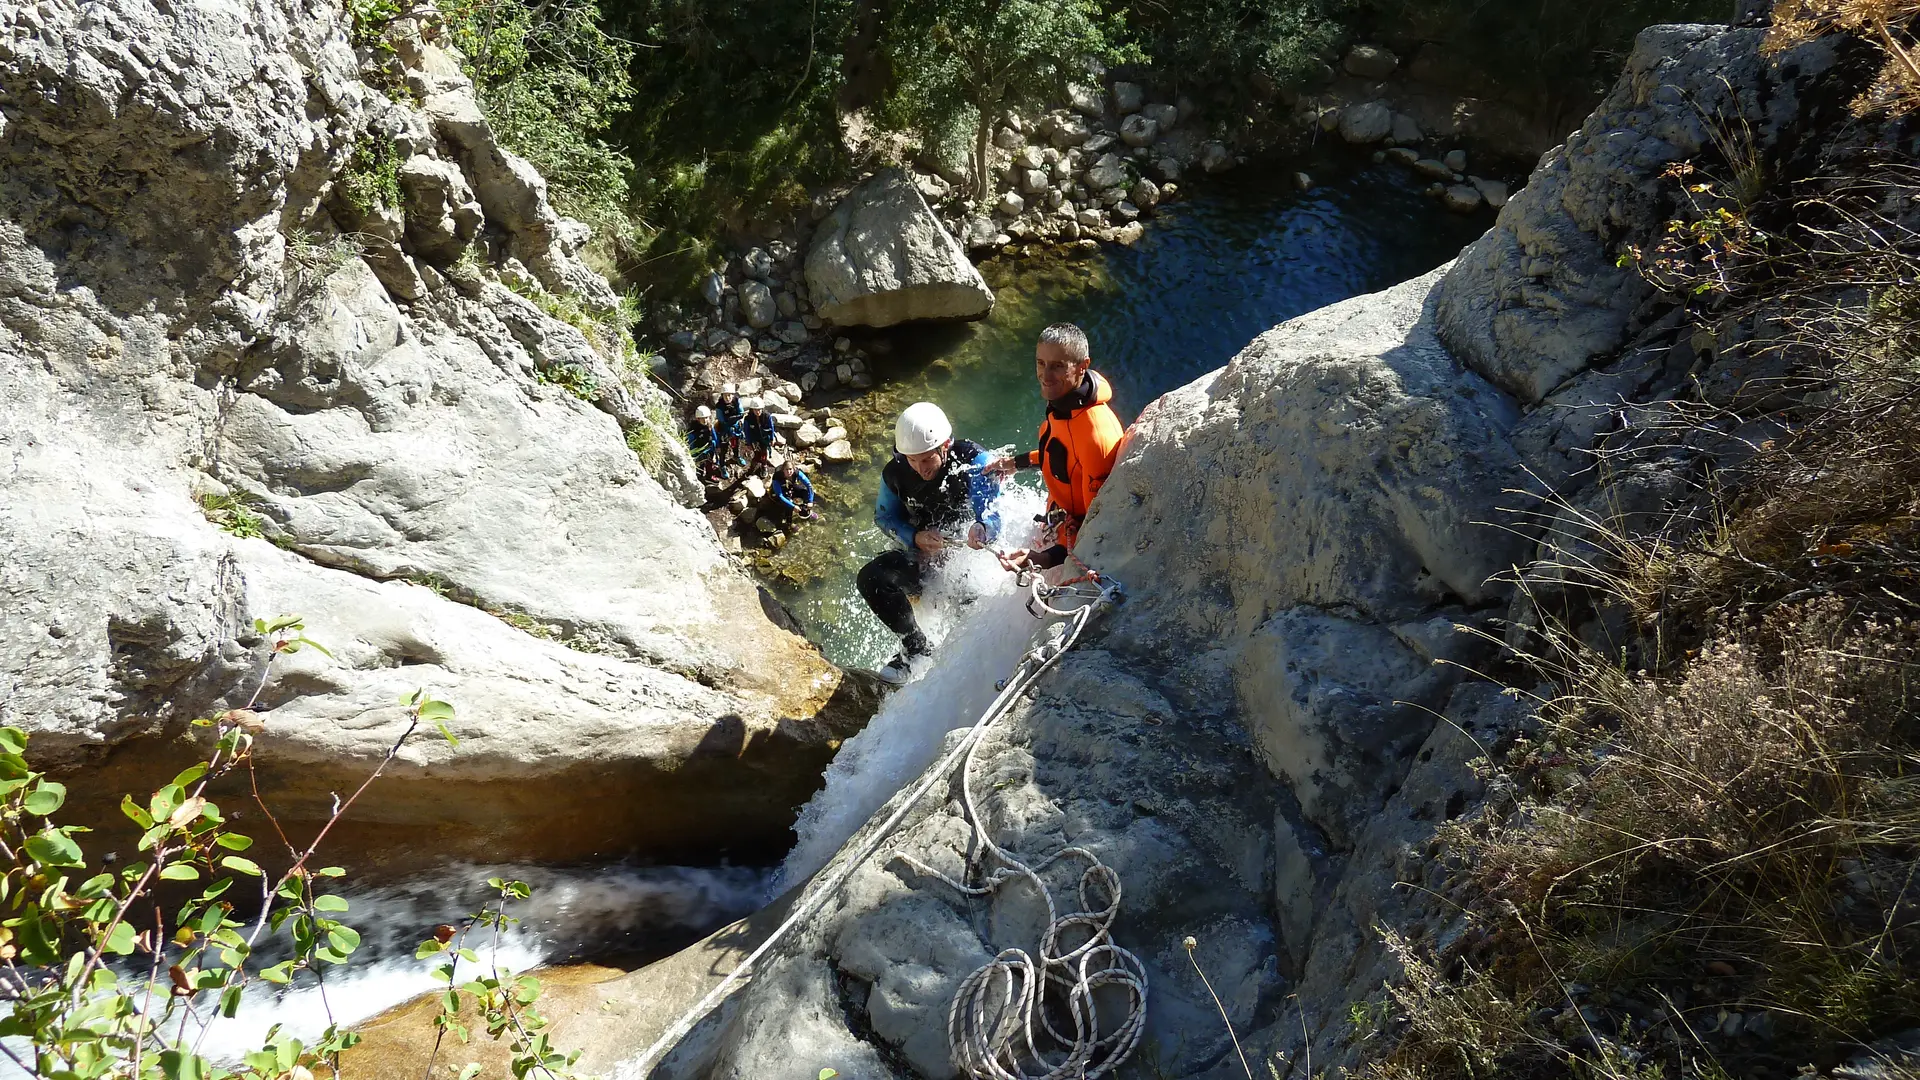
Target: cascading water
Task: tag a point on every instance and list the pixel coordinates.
(572, 913)
(978, 618)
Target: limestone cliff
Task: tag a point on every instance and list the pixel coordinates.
(232, 270)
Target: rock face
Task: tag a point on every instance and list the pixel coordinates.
(443, 469)
(882, 258)
(1304, 533)
(1539, 297)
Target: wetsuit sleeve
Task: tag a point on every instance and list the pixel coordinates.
(982, 490)
(806, 486)
(891, 515)
(699, 443)
(780, 492)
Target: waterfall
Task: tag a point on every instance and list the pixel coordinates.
(572, 913)
(979, 623)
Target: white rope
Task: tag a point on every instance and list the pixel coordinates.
(991, 1025)
(1060, 638)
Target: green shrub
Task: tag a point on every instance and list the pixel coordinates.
(371, 181)
(575, 379)
(233, 513)
(551, 80)
(120, 983)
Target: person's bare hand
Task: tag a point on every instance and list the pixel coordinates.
(977, 536)
(1001, 468)
(1015, 561)
(929, 541)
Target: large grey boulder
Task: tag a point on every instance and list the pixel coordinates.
(447, 489)
(1540, 296)
(1366, 123)
(1297, 522)
(881, 258)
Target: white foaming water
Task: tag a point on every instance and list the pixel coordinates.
(977, 643)
(589, 911)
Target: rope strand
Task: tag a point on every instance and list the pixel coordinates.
(1055, 643)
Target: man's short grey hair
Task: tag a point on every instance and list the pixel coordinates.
(1069, 337)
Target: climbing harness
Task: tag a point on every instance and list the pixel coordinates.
(982, 1033)
(991, 1027)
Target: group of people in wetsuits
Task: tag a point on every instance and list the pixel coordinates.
(938, 490)
(735, 433)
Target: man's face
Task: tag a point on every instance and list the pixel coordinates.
(928, 464)
(1059, 373)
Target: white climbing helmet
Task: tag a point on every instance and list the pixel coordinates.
(752, 403)
(922, 427)
(728, 388)
(703, 413)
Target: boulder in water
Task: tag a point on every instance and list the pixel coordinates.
(882, 258)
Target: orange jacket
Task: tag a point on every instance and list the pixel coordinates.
(1079, 441)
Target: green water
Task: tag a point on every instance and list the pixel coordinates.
(1238, 255)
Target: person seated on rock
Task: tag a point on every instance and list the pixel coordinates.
(704, 441)
(934, 485)
(727, 412)
(760, 434)
(792, 495)
(1079, 442)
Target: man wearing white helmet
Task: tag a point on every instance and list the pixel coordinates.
(761, 435)
(934, 485)
(706, 444)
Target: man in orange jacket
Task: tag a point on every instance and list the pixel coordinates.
(1079, 441)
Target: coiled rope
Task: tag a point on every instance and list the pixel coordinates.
(1059, 638)
(991, 1026)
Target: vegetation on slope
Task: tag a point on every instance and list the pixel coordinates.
(1707, 862)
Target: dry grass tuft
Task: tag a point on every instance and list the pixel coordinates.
(1887, 23)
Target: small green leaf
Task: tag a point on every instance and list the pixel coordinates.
(230, 1001)
(53, 848)
(447, 734)
(435, 710)
(13, 740)
(329, 871)
(470, 1071)
(240, 865)
(120, 942)
(827, 1074)
(329, 902)
(190, 774)
(281, 973)
(235, 842)
(180, 872)
(46, 798)
(427, 948)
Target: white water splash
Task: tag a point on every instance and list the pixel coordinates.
(979, 623)
(572, 913)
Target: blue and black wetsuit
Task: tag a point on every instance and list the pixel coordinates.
(793, 491)
(958, 496)
(759, 428)
(704, 442)
(791, 495)
(729, 414)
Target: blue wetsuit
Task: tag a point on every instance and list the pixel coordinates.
(959, 494)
